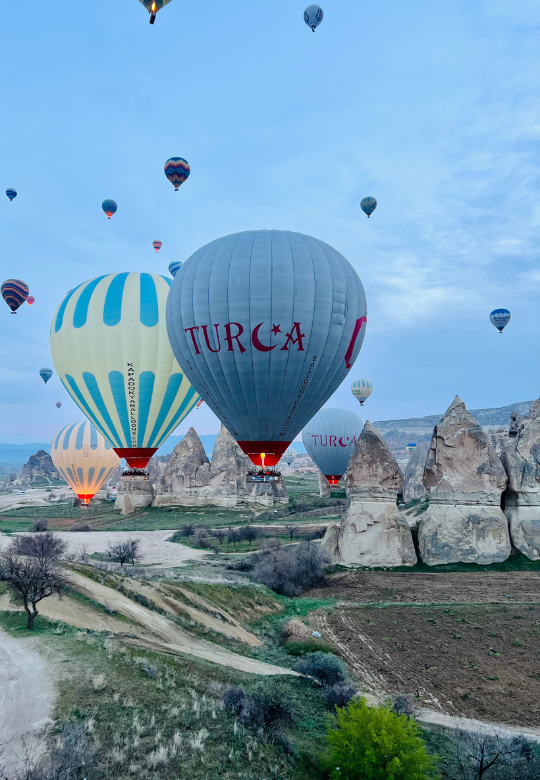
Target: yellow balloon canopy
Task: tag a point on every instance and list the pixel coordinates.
(83, 458)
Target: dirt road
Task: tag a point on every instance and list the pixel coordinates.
(155, 547)
(26, 697)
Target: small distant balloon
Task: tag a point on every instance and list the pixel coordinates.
(500, 318)
(11, 193)
(14, 292)
(199, 404)
(174, 267)
(410, 447)
(368, 205)
(30, 300)
(153, 6)
(361, 389)
(177, 171)
(109, 207)
(45, 374)
(313, 16)
(157, 245)
(58, 404)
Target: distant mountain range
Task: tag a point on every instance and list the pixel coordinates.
(399, 432)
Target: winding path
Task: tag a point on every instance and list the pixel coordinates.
(26, 697)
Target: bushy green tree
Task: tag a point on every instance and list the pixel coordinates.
(374, 743)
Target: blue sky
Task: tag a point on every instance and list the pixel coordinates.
(432, 108)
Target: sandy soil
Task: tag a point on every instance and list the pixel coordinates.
(425, 588)
(478, 661)
(156, 550)
(26, 697)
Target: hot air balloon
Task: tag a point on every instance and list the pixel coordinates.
(368, 205)
(109, 207)
(361, 389)
(410, 447)
(500, 318)
(83, 458)
(110, 348)
(11, 193)
(289, 455)
(14, 292)
(313, 16)
(266, 325)
(45, 374)
(153, 6)
(157, 245)
(30, 300)
(330, 438)
(174, 267)
(58, 404)
(199, 404)
(177, 171)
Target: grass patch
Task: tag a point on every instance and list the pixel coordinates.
(15, 623)
(515, 562)
(301, 647)
(14, 526)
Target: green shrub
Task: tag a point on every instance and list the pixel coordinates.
(374, 743)
(301, 647)
(328, 669)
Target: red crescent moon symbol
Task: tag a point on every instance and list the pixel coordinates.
(255, 340)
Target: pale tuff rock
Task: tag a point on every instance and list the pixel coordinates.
(325, 491)
(413, 485)
(39, 468)
(465, 478)
(133, 492)
(372, 532)
(521, 458)
(189, 479)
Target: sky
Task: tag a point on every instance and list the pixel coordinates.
(433, 108)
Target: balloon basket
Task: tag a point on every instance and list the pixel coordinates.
(264, 475)
(152, 18)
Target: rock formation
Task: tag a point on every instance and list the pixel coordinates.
(372, 532)
(38, 470)
(521, 459)
(134, 490)
(413, 484)
(465, 478)
(325, 491)
(189, 479)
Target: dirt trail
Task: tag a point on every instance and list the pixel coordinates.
(26, 698)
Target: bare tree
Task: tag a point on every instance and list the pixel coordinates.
(233, 537)
(200, 538)
(220, 535)
(493, 755)
(292, 530)
(250, 533)
(30, 567)
(188, 530)
(125, 551)
(291, 569)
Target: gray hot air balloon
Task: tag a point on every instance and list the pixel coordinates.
(289, 455)
(330, 438)
(266, 325)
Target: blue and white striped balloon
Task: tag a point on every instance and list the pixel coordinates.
(83, 458)
(500, 318)
(174, 267)
(361, 389)
(110, 348)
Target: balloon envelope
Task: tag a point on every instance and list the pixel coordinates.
(58, 404)
(177, 171)
(361, 389)
(289, 455)
(330, 438)
(500, 318)
(45, 374)
(157, 245)
(368, 205)
(14, 292)
(110, 348)
(313, 16)
(266, 325)
(153, 6)
(109, 207)
(30, 300)
(83, 458)
(11, 193)
(174, 267)
(410, 447)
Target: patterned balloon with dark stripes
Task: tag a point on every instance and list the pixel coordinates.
(14, 292)
(177, 171)
(110, 347)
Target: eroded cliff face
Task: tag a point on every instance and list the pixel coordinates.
(372, 531)
(413, 480)
(521, 459)
(465, 479)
